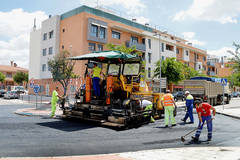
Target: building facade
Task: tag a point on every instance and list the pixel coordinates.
(85, 29)
(9, 71)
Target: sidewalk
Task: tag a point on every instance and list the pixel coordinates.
(187, 153)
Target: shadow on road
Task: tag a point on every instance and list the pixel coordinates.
(66, 126)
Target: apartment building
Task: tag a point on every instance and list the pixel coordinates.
(193, 57)
(85, 29)
(9, 71)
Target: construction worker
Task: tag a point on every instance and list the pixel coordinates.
(96, 71)
(169, 104)
(146, 106)
(204, 115)
(189, 106)
(55, 98)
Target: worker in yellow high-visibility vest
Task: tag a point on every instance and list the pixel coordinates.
(169, 105)
(96, 74)
(54, 100)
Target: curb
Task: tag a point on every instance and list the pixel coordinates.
(28, 114)
(236, 117)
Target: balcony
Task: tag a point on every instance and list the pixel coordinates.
(211, 73)
(139, 46)
(212, 64)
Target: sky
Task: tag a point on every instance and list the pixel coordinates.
(212, 25)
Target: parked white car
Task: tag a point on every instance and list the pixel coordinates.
(11, 95)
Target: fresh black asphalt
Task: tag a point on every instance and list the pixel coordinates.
(22, 136)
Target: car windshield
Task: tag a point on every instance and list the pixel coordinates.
(131, 69)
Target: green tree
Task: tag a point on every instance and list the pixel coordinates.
(20, 77)
(236, 58)
(171, 69)
(2, 77)
(62, 69)
(189, 72)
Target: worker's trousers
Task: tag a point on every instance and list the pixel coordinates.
(147, 108)
(168, 112)
(189, 113)
(96, 86)
(208, 120)
(54, 104)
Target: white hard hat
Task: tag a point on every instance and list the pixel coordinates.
(187, 92)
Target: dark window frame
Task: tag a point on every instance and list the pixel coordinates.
(94, 30)
(90, 45)
(116, 35)
(102, 32)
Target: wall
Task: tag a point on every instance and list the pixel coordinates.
(51, 24)
(34, 54)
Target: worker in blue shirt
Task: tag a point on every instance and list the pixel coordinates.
(189, 106)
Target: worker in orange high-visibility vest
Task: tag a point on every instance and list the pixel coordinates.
(169, 105)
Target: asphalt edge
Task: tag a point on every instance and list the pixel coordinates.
(236, 117)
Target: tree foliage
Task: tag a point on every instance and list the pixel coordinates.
(175, 71)
(62, 69)
(2, 77)
(20, 77)
(236, 58)
(171, 69)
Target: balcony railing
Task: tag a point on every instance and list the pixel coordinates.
(211, 73)
(211, 64)
(139, 46)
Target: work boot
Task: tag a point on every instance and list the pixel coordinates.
(166, 126)
(183, 120)
(209, 139)
(195, 140)
(174, 125)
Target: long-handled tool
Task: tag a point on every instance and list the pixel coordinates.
(183, 137)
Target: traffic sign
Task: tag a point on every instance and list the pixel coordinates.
(31, 83)
(36, 88)
(224, 81)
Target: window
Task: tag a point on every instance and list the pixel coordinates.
(197, 56)
(43, 67)
(149, 43)
(162, 47)
(186, 53)
(94, 30)
(204, 58)
(177, 51)
(63, 30)
(162, 57)
(169, 47)
(116, 35)
(62, 46)
(143, 56)
(50, 50)
(102, 33)
(91, 47)
(100, 47)
(50, 34)
(45, 36)
(149, 57)
(49, 68)
(143, 41)
(149, 72)
(216, 71)
(134, 39)
(44, 52)
(9, 75)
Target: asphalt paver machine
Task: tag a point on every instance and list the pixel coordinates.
(121, 89)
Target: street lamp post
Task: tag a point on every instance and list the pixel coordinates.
(160, 59)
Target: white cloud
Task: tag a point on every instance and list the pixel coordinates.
(14, 35)
(133, 7)
(142, 20)
(189, 36)
(221, 52)
(223, 11)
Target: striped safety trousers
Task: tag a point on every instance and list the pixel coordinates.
(209, 127)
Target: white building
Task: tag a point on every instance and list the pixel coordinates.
(44, 44)
(156, 48)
